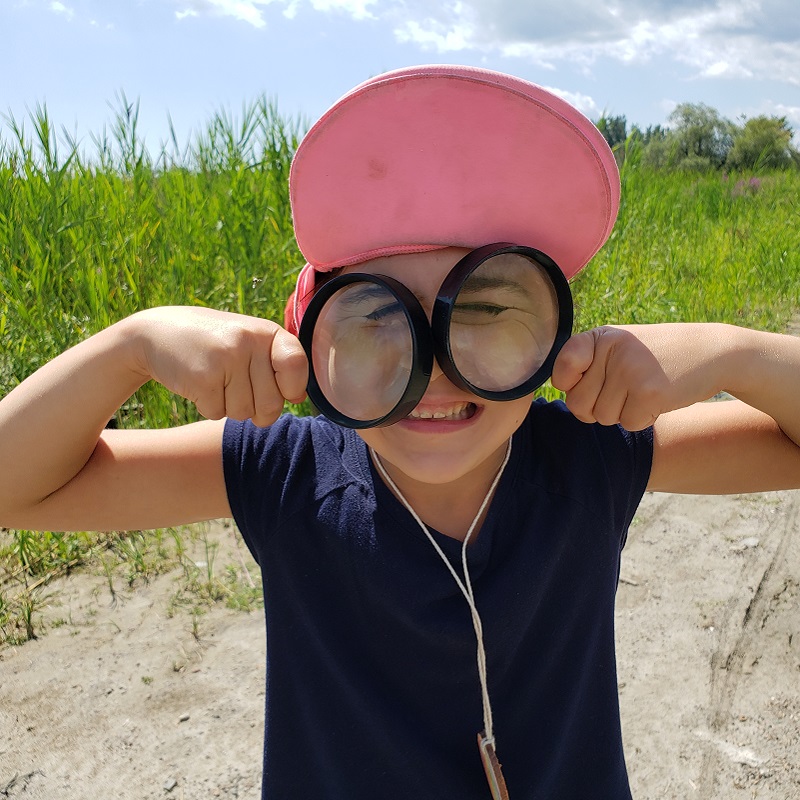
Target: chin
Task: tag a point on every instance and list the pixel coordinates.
(441, 452)
(438, 466)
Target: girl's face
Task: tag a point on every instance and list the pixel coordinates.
(452, 434)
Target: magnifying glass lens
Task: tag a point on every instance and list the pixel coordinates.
(504, 322)
(362, 351)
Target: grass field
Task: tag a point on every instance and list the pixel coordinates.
(91, 232)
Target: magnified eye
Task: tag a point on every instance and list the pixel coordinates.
(362, 351)
(385, 312)
(504, 322)
(476, 313)
(364, 301)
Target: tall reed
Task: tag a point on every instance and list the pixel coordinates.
(88, 239)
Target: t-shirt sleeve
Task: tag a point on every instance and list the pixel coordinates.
(604, 467)
(275, 475)
(637, 450)
(257, 464)
(237, 455)
(622, 462)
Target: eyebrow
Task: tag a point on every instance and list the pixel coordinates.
(480, 283)
(365, 292)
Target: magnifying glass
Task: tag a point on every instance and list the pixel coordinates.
(500, 317)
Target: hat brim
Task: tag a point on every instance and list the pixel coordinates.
(439, 156)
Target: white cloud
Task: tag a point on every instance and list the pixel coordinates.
(792, 113)
(60, 8)
(431, 35)
(583, 102)
(251, 11)
(715, 38)
(733, 39)
(358, 9)
(244, 10)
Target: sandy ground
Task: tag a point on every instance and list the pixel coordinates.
(125, 701)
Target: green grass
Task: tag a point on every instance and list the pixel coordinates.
(93, 231)
(122, 562)
(86, 240)
(688, 248)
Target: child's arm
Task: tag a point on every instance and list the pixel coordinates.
(59, 468)
(658, 374)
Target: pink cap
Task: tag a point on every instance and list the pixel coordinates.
(438, 156)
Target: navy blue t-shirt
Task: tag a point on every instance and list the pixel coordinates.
(372, 688)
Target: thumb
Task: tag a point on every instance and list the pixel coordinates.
(290, 365)
(574, 358)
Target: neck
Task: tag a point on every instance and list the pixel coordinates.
(449, 508)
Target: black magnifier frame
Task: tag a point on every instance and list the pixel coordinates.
(446, 300)
(421, 344)
(429, 339)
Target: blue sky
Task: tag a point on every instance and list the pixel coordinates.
(190, 58)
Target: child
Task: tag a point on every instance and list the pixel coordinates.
(390, 553)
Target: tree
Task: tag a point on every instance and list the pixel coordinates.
(699, 137)
(653, 133)
(654, 144)
(614, 130)
(762, 143)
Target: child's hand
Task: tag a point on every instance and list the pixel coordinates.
(633, 374)
(228, 365)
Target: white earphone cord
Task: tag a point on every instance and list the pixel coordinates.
(466, 585)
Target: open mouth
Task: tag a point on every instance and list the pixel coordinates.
(450, 413)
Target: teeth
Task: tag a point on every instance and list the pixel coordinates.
(457, 412)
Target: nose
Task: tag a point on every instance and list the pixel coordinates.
(438, 379)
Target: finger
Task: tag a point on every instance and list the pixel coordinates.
(210, 402)
(643, 405)
(574, 358)
(636, 419)
(582, 397)
(613, 394)
(267, 397)
(239, 403)
(631, 394)
(610, 402)
(613, 389)
(290, 366)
